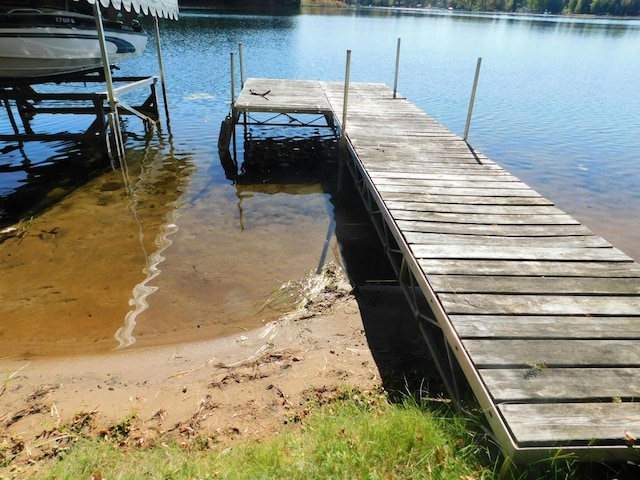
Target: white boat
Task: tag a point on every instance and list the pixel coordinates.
(42, 42)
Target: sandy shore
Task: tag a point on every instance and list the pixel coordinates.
(246, 385)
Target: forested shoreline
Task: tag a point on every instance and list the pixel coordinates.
(617, 8)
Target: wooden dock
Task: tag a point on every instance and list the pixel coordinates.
(541, 315)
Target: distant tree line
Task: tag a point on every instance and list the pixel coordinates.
(620, 8)
(236, 3)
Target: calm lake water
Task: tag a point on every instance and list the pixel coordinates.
(171, 249)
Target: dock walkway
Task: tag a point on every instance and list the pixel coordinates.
(541, 314)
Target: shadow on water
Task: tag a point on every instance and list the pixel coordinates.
(310, 164)
(36, 176)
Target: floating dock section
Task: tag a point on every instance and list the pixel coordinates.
(540, 317)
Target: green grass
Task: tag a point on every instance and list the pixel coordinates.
(355, 435)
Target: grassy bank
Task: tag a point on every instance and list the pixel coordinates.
(346, 434)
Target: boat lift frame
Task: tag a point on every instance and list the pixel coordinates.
(107, 106)
(113, 119)
(28, 102)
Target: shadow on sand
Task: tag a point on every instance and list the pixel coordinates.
(397, 345)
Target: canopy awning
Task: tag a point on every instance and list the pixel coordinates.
(155, 8)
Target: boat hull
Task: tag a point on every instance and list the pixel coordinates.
(34, 45)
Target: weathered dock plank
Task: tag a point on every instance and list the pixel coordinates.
(466, 207)
(592, 241)
(282, 96)
(484, 219)
(534, 285)
(497, 182)
(429, 197)
(529, 268)
(542, 315)
(495, 230)
(546, 326)
(538, 384)
(551, 353)
(529, 304)
(566, 424)
(489, 191)
(455, 176)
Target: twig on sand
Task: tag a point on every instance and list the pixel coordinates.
(5, 384)
(187, 372)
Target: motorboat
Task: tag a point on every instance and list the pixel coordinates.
(41, 41)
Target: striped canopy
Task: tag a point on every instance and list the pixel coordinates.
(156, 8)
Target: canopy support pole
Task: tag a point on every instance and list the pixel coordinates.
(161, 66)
(114, 120)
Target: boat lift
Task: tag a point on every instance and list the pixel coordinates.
(23, 102)
(108, 105)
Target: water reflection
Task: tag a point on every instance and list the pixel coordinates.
(175, 181)
(294, 165)
(280, 160)
(125, 334)
(237, 242)
(218, 21)
(582, 26)
(34, 176)
(67, 282)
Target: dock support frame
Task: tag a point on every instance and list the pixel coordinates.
(439, 349)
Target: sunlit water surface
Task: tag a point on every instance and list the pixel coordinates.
(170, 249)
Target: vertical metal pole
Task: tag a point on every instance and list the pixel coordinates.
(241, 60)
(473, 98)
(161, 66)
(395, 81)
(233, 82)
(346, 94)
(343, 138)
(113, 115)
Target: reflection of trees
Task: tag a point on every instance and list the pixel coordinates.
(596, 7)
(612, 7)
(619, 8)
